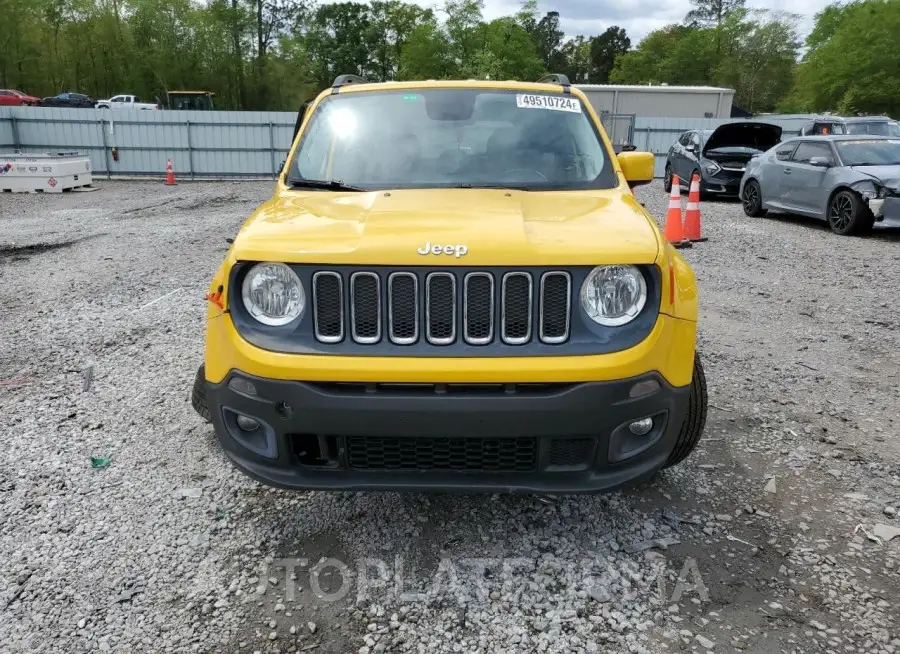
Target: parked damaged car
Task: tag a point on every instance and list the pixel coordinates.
(873, 125)
(69, 100)
(850, 181)
(718, 155)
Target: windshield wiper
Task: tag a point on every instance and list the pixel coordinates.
(327, 185)
(502, 187)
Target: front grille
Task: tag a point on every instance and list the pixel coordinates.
(443, 307)
(473, 454)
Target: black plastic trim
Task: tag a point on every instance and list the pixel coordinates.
(599, 411)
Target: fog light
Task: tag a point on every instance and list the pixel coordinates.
(641, 427)
(249, 424)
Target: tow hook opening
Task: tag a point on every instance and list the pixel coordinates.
(316, 451)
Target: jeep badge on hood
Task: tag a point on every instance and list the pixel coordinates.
(458, 250)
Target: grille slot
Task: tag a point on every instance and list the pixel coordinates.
(328, 305)
(556, 296)
(365, 307)
(403, 308)
(493, 454)
(516, 308)
(440, 308)
(478, 308)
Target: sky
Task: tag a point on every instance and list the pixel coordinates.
(638, 17)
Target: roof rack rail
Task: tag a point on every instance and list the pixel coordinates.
(555, 78)
(344, 80)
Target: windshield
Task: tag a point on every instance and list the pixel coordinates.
(827, 128)
(453, 138)
(870, 152)
(877, 128)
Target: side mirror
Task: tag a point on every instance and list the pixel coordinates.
(637, 167)
(690, 147)
(821, 162)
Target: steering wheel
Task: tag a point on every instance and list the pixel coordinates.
(536, 173)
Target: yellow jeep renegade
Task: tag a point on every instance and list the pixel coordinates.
(453, 288)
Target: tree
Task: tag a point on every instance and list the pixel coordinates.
(759, 58)
(336, 40)
(547, 35)
(756, 56)
(426, 54)
(603, 52)
(675, 54)
(712, 13)
(576, 53)
(507, 52)
(392, 22)
(852, 62)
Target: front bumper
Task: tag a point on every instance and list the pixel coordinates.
(446, 437)
(886, 211)
(723, 187)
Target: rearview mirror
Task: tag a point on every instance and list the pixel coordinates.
(637, 167)
(821, 162)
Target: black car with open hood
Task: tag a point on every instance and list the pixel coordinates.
(719, 155)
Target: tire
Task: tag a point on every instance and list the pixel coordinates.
(667, 179)
(694, 418)
(848, 215)
(752, 206)
(198, 395)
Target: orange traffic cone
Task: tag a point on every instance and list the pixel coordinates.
(170, 174)
(692, 215)
(674, 232)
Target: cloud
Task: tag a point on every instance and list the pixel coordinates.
(639, 17)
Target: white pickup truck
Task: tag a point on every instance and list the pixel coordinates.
(125, 102)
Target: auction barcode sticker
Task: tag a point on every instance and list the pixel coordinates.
(552, 102)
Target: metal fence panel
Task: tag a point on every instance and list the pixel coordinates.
(7, 136)
(236, 143)
(124, 142)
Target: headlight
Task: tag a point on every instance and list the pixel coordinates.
(273, 294)
(871, 191)
(711, 167)
(614, 295)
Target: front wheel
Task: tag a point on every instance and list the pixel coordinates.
(198, 395)
(694, 417)
(847, 214)
(752, 199)
(667, 179)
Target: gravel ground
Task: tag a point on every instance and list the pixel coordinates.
(758, 543)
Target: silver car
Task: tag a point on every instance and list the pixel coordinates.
(851, 181)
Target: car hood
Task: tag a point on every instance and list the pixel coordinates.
(497, 227)
(887, 175)
(750, 134)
